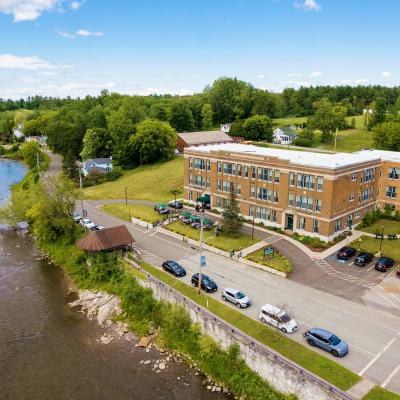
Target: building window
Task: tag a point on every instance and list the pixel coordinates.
(190, 178)
(239, 189)
(253, 172)
(199, 163)
(367, 175)
(264, 194)
(320, 183)
(251, 211)
(252, 191)
(315, 226)
(305, 181)
(200, 181)
(208, 182)
(351, 197)
(239, 170)
(276, 196)
(227, 186)
(291, 179)
(291, 199)
(229, 169)
(394, 173)
(264, 174)
(190, 162)
(318, 205)
(365, 195)
(190, 195)
(218, 184)
(337, 225)
(273, 217)
(304, 202)
(219, 166)
(357, 215)
(350, 220)
(391, 191)
(302, 223)
(208, 165)
(277, 176)
(246, 171)
(354, 176)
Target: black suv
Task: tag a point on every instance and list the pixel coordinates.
(363, 259)
(207, 284)
(383, 264)
(174, 268)
(345, 253)
(175, 204)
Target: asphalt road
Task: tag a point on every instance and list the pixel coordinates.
(373, 333)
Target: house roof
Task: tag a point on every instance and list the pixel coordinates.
(107, 239)
(98, 161)
(287, 130)
(307, 158)
(96, 168)
(205, 137)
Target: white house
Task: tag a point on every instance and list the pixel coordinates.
(18, 134)
(284, 135)
(101, 165)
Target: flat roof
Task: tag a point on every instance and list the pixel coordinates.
(203, 137)
(384, 155)
(308, 158)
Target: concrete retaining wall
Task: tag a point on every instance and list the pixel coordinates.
(283, 374)
(142, 223)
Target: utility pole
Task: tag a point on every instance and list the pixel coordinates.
(126, 196)
(201, 250)
(80, 186)
(380, 247)
(38, 164)
(334, 148)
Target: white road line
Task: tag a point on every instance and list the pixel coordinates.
(372, 266)
(362, 372)
(385, 298)
(395, 297)
(391, 272)
(352, 263)
(393, 373)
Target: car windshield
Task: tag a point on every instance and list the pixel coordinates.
(284, 318)
(334, 340)
(240, 295)
(207, 280)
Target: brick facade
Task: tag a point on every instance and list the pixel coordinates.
(308, 199)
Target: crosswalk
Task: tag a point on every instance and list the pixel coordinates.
(328, 269)
(150, 258)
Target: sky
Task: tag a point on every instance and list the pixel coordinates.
(78, 47)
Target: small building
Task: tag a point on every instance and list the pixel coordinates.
(284, 135)
(107, 240)
(99, 165)
(42, 140)
(204, 138)
(18, 131)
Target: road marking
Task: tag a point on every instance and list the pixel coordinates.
(395, 297)
(372, 266)
(385, 298)
(393, 373)
(391, 272)
(352, 263)
(372, 362)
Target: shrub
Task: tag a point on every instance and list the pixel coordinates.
(114, 174)
(303, 142)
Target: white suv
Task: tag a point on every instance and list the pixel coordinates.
(236, 297)
(87, 223)
(278, 318)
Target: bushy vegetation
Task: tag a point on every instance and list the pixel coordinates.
(276, 261)
(310, 241)
(372, 217)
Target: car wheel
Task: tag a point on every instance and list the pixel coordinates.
(224, 298)
(284, 330)
(311, 342)
(263, 320)
(238, 305)
(164, 267)
(194, 284)
(335, 353)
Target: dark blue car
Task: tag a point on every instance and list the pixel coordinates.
(327, 341)
(174, 268)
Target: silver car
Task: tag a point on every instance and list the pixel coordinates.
(236, 297)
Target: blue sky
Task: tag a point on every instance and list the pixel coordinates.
(77, 47)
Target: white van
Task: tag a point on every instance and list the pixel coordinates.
(278, 318)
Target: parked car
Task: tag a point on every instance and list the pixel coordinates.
(398, 272)
(363, 259)
(87, 223)
(207, 284)
(98, 228)
(279, 318)
(236, 297)
(76, 216)
(327, 341)
(175, 204)
(161, 208)
(174, 268)
(384, 263)
(345, 253)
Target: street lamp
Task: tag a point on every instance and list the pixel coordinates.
(126, 196)
(380, 247)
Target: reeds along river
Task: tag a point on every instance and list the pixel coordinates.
(49, 351)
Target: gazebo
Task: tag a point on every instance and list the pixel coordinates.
(107, 240)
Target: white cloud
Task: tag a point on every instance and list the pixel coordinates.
(66, 35)
(27, 10)
(294, 75)
(361, 80)
(10, 61)
(315, 74)
(84, 32)
(345, 81)
(386, 74)
(261, 76)
(75, 5)
(308, 5)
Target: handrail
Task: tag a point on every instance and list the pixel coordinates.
(246, 339)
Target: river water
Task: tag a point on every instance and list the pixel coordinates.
(49, 351)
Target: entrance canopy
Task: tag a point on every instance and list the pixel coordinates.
(204, 199)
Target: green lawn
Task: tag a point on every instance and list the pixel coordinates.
(309, 359)
(390, 227)
(278, 261)
(351, 140)
(125, 212)
(279, 122)
(151, 182)
(390, 248)
(222, 241)
(378, 393)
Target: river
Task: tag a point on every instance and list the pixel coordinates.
(49, 351)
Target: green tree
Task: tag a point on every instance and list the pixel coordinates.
(32, 127)
(258, 127)
(30, 153)
(265, 104)
(327, 118)
(6, 125)
(70, 167)
(379, 111)
(159, 111)
(97, 143)
(387, 136)
(154, 140)
(231, 221)
(96, 118)
(206, 116)
(181, 118)
(22, 116)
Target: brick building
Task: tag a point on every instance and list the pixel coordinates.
(310, 193)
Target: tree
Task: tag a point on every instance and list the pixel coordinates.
(159, 111)
(30, 152)
(181, 118)
(258, 127)
(327, 118)
(154, 140)
(379, 111)
(96, 118)
(6, 125)
(266, 104)
(387, 136)
(97, 143)
(231, 221)
(206, 116)
(32, 128)
(70, 167)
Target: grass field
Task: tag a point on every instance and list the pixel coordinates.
(222, 241)
(311, 360)
(351, 140)
(390, 248)
(125, 212)
(151, 182)
(378, 393)
(288, 121)
(278, 262)
(390, 227)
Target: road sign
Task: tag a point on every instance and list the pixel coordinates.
(268, 251)
(203, 261)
